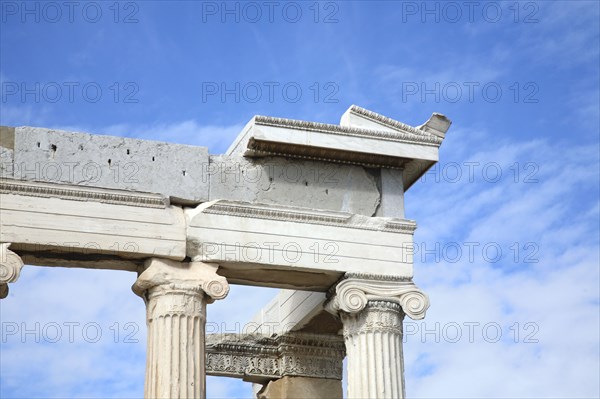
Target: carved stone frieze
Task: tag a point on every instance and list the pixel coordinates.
(259, 358)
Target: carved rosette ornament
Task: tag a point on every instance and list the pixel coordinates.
(372, 309)
(176, 295)
(10, 268)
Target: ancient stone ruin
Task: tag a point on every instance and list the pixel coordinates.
(312, 208)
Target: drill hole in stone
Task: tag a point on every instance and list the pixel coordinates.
(128, 152)
(183, 172)
(80, 147)
(109, 161)
(38, 144)
(152, 159)
(306, 183)
(53, 147)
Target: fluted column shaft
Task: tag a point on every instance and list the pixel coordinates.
(176, 321)
(176, 295)
(374, 348)
(372, 309)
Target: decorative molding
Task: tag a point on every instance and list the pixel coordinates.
(259, 358)
(164, 277)
(81, 193)
(388, 122)
(404, 226)
(275, 212)
(300, 215)
(274, 149)
(353, 293)
(403, 133)
(382, 316)
(375, 277)
(10, 268)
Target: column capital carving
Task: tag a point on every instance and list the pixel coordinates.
(352, 294)
(168, 275)
(10, 268)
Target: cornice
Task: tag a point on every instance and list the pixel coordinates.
(375, 277)
(402, 132)
(81, 193)
(300, 215)
(259, 147)
(388, 122)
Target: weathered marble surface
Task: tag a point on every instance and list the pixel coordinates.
(176, 295)
(273, 160)
(47, 155)
(302, 388)
(294, 247)
(55, 224)
(261, 358)
(324, 205)
(371, 309)
(300, 183)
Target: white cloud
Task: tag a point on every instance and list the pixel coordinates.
(553, 285)
(47, 301)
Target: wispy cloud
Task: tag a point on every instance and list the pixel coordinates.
(541, 295)
(82, 333)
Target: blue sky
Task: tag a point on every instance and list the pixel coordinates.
(508, 220)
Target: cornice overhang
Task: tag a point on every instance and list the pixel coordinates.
(363, 138)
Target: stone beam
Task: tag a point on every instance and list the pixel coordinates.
(175, 171)
(259, 358)
(295, 182)
(62, 225)
(295, 311)
(300, 387)
(296, 248)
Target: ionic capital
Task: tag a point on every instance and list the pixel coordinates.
(352, 294)
(197, 277)
(10, 268)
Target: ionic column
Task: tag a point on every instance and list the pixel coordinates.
(176, 295)
(10, 268)
(372, 309)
